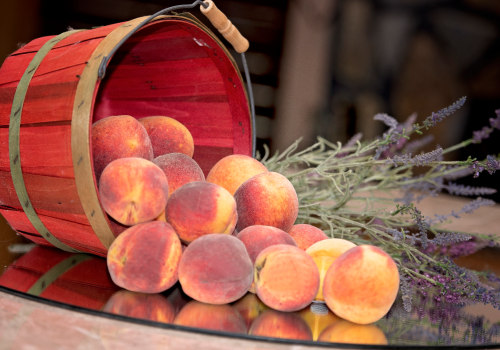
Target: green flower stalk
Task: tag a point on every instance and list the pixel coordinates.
(367, 192)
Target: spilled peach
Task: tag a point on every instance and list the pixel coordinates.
(267, 199)
(324, 253)
(257, 237)
(361, 285)
(179, 169)
(286, 278)
(215, 269)
(168, 135)
(305, 235)
(133, 190)
(199, 208)
(145, 258)
(231, 171)
(116, 137)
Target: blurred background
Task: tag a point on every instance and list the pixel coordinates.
(326, 67)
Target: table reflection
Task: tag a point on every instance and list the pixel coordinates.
(82, 280)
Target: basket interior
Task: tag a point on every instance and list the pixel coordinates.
(176, 69)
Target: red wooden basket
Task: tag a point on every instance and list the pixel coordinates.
(53, 89)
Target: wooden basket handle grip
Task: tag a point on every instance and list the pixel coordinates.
(224, 26)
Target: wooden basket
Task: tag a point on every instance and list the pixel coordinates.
(52, 90)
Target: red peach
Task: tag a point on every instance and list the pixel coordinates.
(305, 235)
(116, 137)
(215, 269)
(145, 258)
(257, 237)
(199, 208)
(168, 135)
(267, 199)
(361, 284)
(231, 171)
(179, 169)
(324, 253)
(133, 190)
(286, 278)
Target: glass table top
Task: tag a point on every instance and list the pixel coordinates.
(82, 281)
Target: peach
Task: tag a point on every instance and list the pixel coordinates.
(215, 269)
(199, 208)
(278, 324)
(257, 237)
(231, 171)
(145, 258)
(118, 136)
(318, 320)
(154, 307)
(361, 285)
(133, 190)
(286, 278)
(347, 332)
(179, 169)
(305, 235)
(267, 199)
(324, 253)
(168, 135)
(207, 316)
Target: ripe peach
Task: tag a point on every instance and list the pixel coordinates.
(257, 237)
(231, 171)
(347, 332)
(133, 190)
(215, 317)
(116, 137)
(286, 278)
(267, 199)
(199, 208)
(361, 285)
(154, 307)
(277, 324)
(168, 135)
(145, 257)
(215, 269)
(179, 169)
(324, 253)
(305, 235)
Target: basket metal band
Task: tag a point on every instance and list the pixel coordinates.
(55, 272)
(14, 145)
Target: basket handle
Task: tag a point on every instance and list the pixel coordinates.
(216, 17)
(224, 26)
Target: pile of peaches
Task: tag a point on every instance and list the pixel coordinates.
(225, 234)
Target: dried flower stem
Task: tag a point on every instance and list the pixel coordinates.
(351, 192)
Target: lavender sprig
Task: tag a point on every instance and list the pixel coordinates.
(366, 191)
